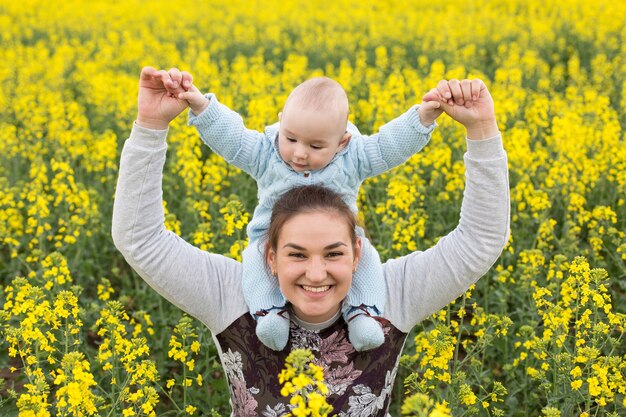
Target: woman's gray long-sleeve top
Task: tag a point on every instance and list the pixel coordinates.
(208, 286)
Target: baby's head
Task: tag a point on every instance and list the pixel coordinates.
(313, 124)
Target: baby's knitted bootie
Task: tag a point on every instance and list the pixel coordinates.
(272, 328)
(364, 331)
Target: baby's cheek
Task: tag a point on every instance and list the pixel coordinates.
(283, 154)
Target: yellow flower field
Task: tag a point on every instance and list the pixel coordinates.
(542, 334)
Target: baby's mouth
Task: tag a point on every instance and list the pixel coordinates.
(298, 166)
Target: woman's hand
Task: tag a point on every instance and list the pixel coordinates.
(469, 103)
(157, 102)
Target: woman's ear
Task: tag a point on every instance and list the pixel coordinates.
(270, 258)
(357, 253)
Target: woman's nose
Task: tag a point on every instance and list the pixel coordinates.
(316, 270)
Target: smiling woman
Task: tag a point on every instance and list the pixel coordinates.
(313, 250)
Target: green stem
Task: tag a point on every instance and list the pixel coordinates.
(170, 398)
(184, 378)
(67, 331)
(461, 327)
(119, 397)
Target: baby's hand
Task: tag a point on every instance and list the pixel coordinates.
(430, 108)
(179, 84)
(194, 97)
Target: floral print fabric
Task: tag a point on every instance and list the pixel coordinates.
(359, 383)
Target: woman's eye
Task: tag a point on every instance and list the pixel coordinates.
(334, 254)
(296, 255)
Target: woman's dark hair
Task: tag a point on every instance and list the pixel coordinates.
(306, 199)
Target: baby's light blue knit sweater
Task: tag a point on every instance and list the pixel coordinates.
(257, 154)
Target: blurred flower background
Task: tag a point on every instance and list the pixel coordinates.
(542, 334)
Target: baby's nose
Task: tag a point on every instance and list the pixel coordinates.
(300, 152)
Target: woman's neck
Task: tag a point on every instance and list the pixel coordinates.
(315, 326)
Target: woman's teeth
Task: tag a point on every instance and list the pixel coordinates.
(316, 289)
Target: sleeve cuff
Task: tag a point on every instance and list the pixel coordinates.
(413, 117)
(208, 115)
(485, 149)
(148, 138)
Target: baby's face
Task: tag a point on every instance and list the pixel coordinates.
(308, 139)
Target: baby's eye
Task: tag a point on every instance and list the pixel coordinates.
(292, 140)
(316, 147)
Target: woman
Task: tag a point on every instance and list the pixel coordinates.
(313, 252)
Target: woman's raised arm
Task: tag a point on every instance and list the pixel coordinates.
(423, 282)
(206, 286)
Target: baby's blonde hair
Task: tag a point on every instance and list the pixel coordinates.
(320, 94)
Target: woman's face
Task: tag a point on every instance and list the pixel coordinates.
(314, 261)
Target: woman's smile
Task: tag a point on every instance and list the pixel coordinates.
(316, 289)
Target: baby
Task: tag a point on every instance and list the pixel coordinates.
(313, 143)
